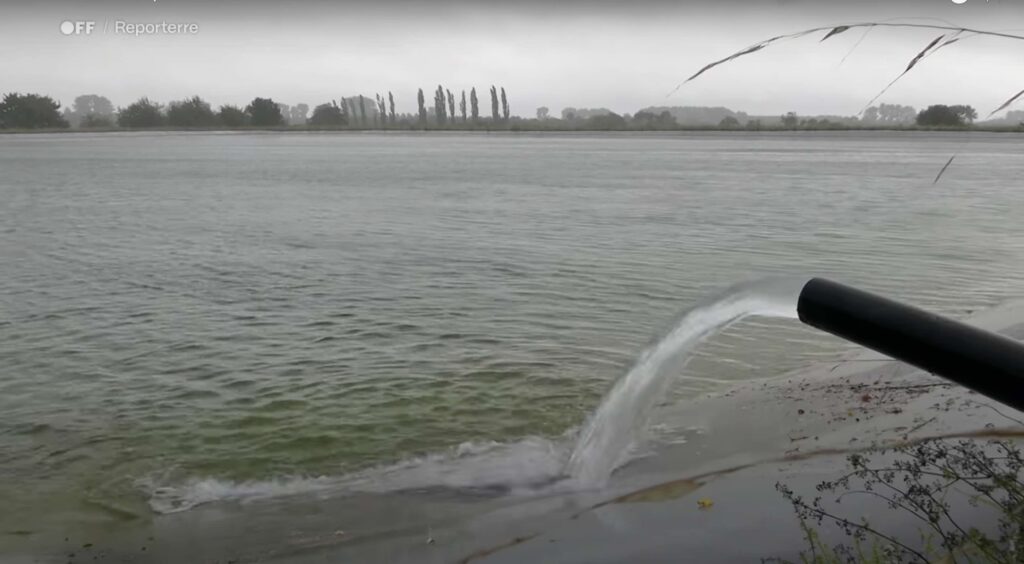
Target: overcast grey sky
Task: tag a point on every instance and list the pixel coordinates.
(620, 55)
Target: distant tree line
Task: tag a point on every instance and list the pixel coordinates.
(889, 114)
(33, 111)
(667, 118)
(449, 110)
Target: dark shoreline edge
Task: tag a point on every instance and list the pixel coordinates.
(514, 130)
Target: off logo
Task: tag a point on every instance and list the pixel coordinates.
(77, 28)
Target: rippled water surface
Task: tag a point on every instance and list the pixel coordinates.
(179, 307)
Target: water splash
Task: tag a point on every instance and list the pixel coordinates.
(605, 440)
(531, 465)
(525, 467)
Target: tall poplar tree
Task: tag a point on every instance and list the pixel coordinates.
(494, 104)
(439, 105)
(422, 107)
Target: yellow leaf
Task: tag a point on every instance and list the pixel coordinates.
(705, 503)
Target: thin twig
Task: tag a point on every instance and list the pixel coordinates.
(918, 427)
(993, 408)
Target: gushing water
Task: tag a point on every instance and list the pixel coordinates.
(607, 436)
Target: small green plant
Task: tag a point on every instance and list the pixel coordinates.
(920, 481)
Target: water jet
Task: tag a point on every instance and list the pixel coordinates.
(986, 362)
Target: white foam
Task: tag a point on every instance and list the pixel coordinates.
(193, 492)
(523, 467)
(522, 464)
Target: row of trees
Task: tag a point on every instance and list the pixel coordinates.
(721, 117)
(196, 113)
(889, 114)
(886, 114)
(665, 121)
(444, 106)
(261, 112)
(936, 115)
(31, 111)
(791, 120)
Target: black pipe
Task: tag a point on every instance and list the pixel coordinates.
(986, 362)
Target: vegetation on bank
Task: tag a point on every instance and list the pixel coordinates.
(940, 485)
(90, 111)
(448, 111)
